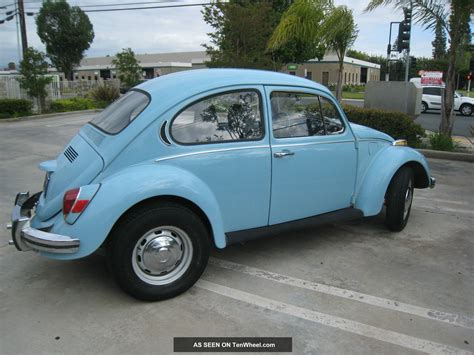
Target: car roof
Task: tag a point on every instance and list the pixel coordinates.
(182, 85)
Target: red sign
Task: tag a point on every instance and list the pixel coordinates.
(431, 77)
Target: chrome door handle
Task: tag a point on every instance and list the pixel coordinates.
(283, 153)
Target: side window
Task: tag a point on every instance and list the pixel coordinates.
(432, 91)
(231, 116)
(303, 115)
(332, 119)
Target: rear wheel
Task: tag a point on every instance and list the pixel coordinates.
(424, 107)
(466, 110)
(399, 198)
(159, 252)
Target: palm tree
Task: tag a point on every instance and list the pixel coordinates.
(321, 26)
(453, 16)
(340, 33)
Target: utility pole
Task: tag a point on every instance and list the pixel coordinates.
(21, 14)
(20, 57)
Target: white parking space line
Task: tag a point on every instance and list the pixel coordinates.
(83, 120)
(463, 203)
(435, 208)
(347, 325)
(427, 313)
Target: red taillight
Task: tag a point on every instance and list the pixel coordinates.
(79, 206)
(69, 199)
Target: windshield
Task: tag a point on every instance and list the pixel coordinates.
(458, 94)
(120, 113)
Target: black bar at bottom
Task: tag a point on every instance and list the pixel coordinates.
(233, 344)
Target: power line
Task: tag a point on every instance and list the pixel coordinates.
(146, 8)
(32, 3)
(136, 8)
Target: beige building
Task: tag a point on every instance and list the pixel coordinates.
(326, 71)
(153, 65)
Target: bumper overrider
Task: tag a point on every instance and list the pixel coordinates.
(25, 237)
(432, 182)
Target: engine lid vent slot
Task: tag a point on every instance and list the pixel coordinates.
(70, 154)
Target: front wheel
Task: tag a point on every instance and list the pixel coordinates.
(399, 198)
(466, 110)
(158, 251)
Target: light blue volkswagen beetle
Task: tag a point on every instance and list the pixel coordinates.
(210, 157)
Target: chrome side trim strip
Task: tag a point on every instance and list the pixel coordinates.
(310, 143)
(210, 151)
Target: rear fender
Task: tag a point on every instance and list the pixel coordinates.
(119, 192)
(370, 195)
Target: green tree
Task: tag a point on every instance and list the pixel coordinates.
(439, 43)
(340, 33)
(66, 31)
(454, 19)
(33, 69)
(240, 33)
(303, 22)
(129, 70)
(241, 30)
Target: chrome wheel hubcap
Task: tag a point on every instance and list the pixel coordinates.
(162, 255)
(466, 110)
(408, 199)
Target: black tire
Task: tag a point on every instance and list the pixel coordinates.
(397, 213)
(124, 245)
(466, 110)
(424, 107)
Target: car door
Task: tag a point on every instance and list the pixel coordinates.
(314, 157)
(220, 137)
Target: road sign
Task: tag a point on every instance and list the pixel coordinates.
(431, 77)
(292, 67)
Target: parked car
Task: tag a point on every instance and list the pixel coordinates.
(431, 100)
(210, 158)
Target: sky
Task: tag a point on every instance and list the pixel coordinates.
(183, 29)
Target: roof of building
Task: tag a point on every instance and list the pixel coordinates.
(183, 59)
(348, 60)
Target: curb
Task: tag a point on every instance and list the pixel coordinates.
(437, 154)
(48, 115)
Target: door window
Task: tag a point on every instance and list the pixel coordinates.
(230, 116)
(303, 115)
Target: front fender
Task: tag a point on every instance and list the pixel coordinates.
(128, 187)
(371, 191)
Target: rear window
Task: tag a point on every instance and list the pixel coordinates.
(120, 113)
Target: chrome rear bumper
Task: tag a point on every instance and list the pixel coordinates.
(432, 182)
(24, 237)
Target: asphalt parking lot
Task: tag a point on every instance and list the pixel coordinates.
(344, 288)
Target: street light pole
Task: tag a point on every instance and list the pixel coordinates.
(407, 58)
(389, 51)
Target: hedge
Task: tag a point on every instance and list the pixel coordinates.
(75, 104)
(15, 108)
(396, 124)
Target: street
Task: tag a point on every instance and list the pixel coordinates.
(462, 124)
(349, 287)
